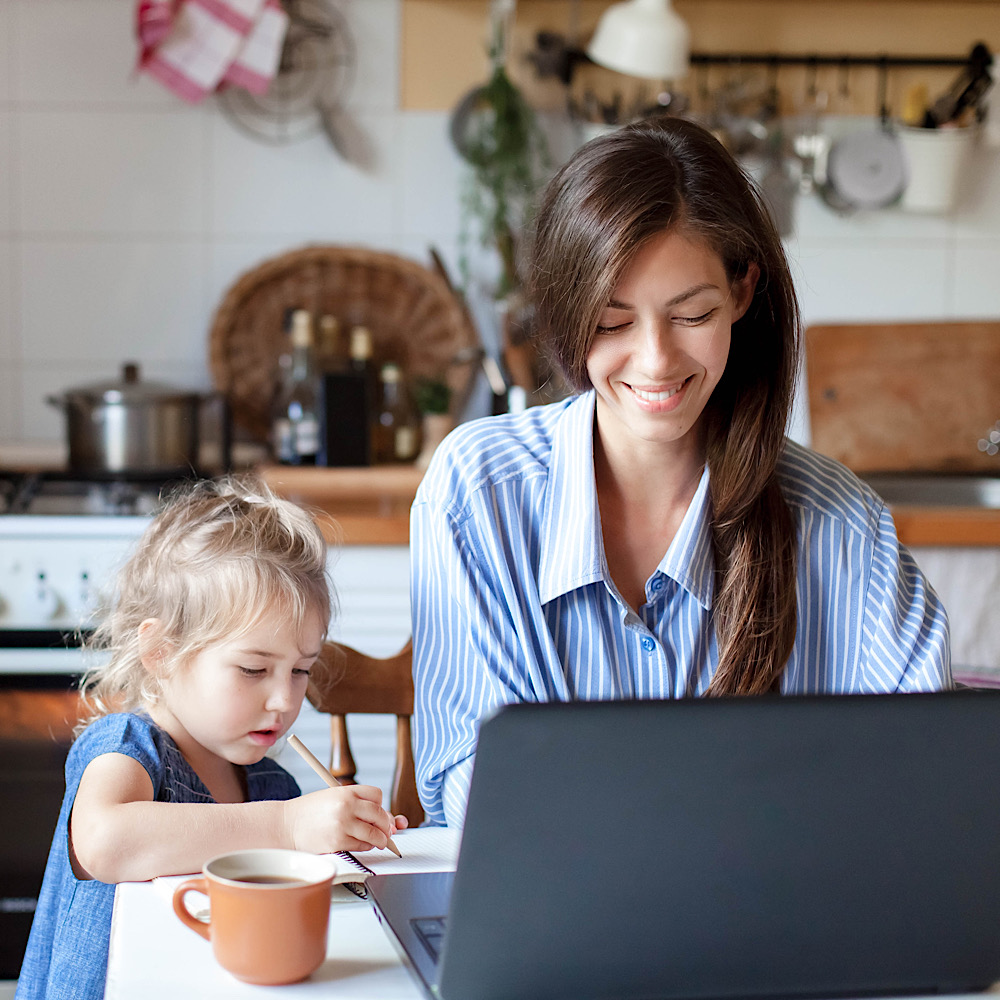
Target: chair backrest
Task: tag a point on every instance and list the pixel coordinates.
(346, 681)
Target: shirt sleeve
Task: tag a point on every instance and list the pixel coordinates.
(905, 626)
(468, 656)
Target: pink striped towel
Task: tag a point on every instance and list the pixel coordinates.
(194, 46)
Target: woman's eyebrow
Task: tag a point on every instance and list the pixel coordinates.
(676, 300)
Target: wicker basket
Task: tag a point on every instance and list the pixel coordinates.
(414, 317)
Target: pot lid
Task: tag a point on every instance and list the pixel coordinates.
(129, 389)
(867, 169)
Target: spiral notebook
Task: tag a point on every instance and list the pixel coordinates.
(423, 849)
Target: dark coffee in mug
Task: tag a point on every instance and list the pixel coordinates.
(271, 880)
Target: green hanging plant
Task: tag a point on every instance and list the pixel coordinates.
(495, 131)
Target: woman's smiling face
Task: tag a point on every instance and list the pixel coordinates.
(662, 344)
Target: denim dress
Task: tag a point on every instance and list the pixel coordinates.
(67, 953)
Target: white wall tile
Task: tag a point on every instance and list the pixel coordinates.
(107, 302)
(82, 51)
(6, 50)
(6, 167)
(873, 281)
(374, 26)
(432, 177)
(978, 210)
(10, 395)
(112, 171)
(304, 189)
(8, 304)
(815, 220)
(977, 279)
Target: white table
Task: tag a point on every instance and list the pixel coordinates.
(153, 955)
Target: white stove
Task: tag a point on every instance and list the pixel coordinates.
(61, 543)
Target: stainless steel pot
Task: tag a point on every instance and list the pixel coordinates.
(131, 427)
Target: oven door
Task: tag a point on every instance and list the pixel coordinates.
(37, 715)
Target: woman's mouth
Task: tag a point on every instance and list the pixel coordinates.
(654, 396)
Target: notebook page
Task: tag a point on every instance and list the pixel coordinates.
(424, 849)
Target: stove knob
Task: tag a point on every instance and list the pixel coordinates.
(35, 600)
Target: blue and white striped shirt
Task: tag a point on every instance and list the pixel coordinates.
(512, 601)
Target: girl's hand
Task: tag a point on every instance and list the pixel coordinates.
(348, 818)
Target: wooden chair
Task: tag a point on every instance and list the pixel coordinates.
(346, 681)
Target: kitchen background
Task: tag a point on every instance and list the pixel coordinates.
(125, 213)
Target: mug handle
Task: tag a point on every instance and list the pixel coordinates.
(180, 908)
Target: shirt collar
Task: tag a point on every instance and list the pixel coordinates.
(572, 550)
(572, 547)
(690, 560)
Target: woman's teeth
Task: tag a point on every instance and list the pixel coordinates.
(657, 397)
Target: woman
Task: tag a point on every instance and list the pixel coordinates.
(656, 535)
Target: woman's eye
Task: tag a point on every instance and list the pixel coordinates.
(611, 327)
(696, 320)
(300, 672)
(252, 672)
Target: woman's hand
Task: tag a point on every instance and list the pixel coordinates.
(348, 818)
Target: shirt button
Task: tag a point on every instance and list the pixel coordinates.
(657, 585)
(648, 644)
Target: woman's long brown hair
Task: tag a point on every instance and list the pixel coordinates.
(612, 196)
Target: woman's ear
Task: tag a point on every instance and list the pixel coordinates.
(743, 290)
(151, 645)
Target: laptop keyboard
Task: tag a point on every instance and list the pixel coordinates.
(430, 930)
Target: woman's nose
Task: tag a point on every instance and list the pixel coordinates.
(656, 346)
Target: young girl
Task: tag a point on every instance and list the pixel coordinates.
(218, 617)
(656, 535)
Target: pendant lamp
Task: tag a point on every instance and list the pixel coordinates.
(644, 38)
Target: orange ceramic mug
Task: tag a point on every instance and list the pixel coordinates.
(269, 911)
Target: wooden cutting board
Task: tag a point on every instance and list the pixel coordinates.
(905, 396)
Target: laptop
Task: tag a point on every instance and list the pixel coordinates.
(736, 847)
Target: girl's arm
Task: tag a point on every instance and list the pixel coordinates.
(118, 833)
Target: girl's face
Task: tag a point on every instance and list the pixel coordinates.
(662, 343)
(236, 698)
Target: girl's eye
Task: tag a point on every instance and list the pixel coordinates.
(611, 327)
(301, 672)
(252, 672)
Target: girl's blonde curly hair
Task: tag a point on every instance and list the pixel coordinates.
(217, 558)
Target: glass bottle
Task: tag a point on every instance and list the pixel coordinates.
(330, 355)
(282, 440)
(398, 429)
(301, 405)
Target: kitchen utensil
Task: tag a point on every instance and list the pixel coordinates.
(866, 169)
(269, 912)
(904, 397)
(315, 71)
(936, 161)
(128, 426)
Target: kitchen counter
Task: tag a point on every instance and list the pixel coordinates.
(366, 506)
(372, 508)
